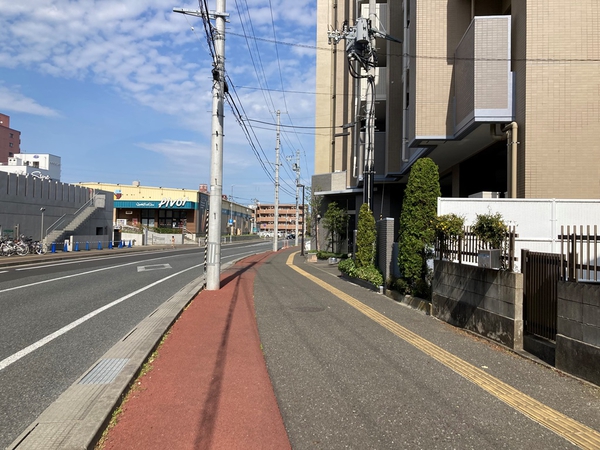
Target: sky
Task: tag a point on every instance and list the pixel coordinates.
(120, 90)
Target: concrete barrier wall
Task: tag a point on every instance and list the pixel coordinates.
(22, 197)
(486, 301)
(578, 330)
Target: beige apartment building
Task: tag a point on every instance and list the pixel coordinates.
(286, 213)
(503, 95)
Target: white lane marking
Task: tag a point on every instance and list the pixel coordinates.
(27, 350)
(154, 267)
(72, 276)
(78, 260)
(3, 271)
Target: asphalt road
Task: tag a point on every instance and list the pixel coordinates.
(59, 317)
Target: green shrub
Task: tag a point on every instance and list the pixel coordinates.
(370, 273)
(335, 221)
(347, 267)
(449, 227)
(417, 223)
(326, 255)
(491, 229)
(366, 237)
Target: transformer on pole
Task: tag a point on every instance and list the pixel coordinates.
(360, 48)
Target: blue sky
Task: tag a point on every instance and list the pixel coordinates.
(121, 90)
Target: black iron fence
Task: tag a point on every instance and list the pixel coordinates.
(465, 249)
(541, 274)
(580, 252)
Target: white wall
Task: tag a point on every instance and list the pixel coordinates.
(538, 221)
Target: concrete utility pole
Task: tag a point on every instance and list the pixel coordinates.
(296, 168)
(276, 218)
(369, 170)
(213, 262)
(360, 48)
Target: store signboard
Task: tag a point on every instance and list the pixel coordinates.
(166, 203)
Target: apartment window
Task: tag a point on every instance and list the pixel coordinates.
(10, 144)
(12, 135)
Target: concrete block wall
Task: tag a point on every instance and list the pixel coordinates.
(578, 330)
(22, 197)
(486, 301)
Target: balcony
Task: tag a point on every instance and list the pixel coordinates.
(483, 80)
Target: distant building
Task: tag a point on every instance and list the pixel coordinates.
(44, 166)
(265, 218)
(10, 140)
(162, 207)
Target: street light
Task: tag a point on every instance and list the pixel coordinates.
(42, 226)
(317, 230)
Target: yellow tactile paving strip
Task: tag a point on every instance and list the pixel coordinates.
(571, 430)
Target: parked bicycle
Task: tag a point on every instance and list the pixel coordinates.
(21, 246)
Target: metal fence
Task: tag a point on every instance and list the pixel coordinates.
(541, 274)
(465, 249)
(580, 251)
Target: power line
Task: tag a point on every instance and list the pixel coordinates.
(444, 58)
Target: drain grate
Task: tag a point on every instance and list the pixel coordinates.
(105, 371)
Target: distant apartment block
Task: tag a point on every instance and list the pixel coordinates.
(10, 140)
(265, 218)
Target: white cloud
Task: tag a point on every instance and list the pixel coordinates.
(12, 100)
(148, 55)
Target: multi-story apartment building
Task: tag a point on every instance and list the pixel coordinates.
(265, 218)
(502, 94)
(10, 140)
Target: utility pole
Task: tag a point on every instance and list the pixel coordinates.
(296, 168)
(369, 170)
(303, 210)
(231, 219)
(275, 223)
(360, 48)
(213, 261)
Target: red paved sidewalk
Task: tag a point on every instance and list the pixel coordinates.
(209, 387)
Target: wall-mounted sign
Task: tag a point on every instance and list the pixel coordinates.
(150, 204)
(168, 203)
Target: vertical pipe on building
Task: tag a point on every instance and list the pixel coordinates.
(333, 93)
(356, 172)
(511, 145)
(404, 82)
